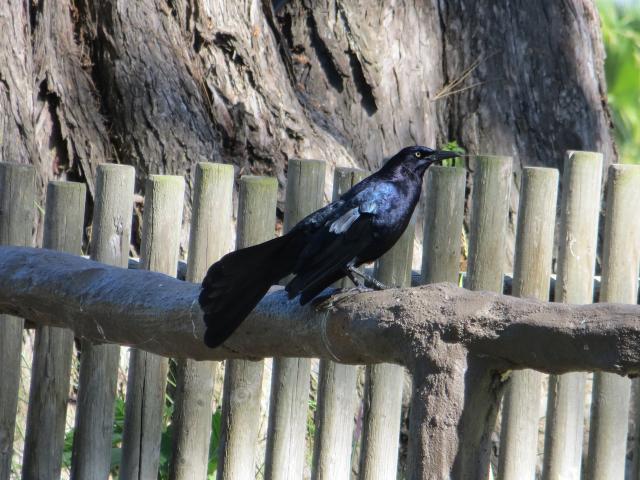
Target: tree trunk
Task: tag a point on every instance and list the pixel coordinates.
(535, 86)
(383, 76)
(163, 84)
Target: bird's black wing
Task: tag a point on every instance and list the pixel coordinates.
(331, 249)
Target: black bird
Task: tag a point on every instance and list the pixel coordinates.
(322, 248)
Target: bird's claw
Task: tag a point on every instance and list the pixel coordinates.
(370, 281)
(355, 290)
(325, 302)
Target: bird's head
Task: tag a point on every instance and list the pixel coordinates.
(418, 158)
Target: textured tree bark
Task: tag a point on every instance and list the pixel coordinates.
(514, 88)
(369, 70)
(17, 129)
(163, 84)
(383, 75)
(50, 115)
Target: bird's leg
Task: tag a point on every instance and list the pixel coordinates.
(367, 278)
(350, 274)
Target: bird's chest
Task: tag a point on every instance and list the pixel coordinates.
(395, 208)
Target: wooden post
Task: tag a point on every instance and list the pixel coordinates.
(209, 240)
(290, 377)
(384, 381)
(489, 211)
(445, 197)
(144, 407)
(531, 278)
(621, 259)
(443, 224)
(243, 378)
(487, 259)
(336, 390)
(110, 240)
(17, 204)
(578, 234)
(53, 349)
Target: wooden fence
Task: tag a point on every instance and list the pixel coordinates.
(347, 435)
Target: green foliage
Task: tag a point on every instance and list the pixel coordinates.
(453, 146)
(621, 35)
(165, 442)
(311, 424)
(214, 444)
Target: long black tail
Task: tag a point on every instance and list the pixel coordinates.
(236, 283)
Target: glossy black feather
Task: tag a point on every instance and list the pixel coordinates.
(328, 255)
(357, 228)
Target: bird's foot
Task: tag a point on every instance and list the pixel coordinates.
(326, 301)
(355, 290)
(325, 296)
(368, 279)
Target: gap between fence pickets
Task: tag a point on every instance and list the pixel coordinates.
(419, 327)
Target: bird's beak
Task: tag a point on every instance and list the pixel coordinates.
(444, 154)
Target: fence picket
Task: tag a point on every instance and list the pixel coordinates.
(53, 347)
(290, 377)
(91, 459)
(336, 390)
(531, 278)
(17, 204)
(444, 213)
(620, 262)
(578, 230)
(487, 260)
(144, 407)
(210, 239)
(243, 378)
(489, 210)
(384, 381)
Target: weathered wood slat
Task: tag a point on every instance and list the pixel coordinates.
(336, 390)
(111, 233)
(243, 378)
(17, 205)
(578, 234)
(210, 239)
(444, 212)
(144, 407)
(489, 210)
(384, 381)
(53, 349)
(290, 377)
(485, 271)
(620, 262)
(445, 197)
(534, 252)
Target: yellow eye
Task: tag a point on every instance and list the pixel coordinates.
(418, 154)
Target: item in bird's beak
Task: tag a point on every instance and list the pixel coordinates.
(445, 154)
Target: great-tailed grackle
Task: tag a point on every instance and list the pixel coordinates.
(324, 247)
